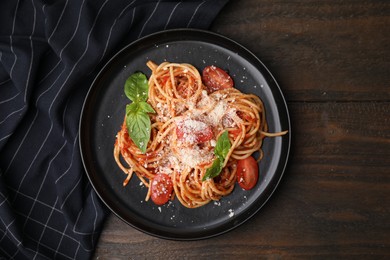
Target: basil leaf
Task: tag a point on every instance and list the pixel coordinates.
(223, 145)
(137, 118)
(214, 170)
(221, 150)
(137, 87)
(138, 126)
(132, 108)
(145, 107)
(139, 107)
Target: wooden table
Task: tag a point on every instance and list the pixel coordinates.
(332, 61)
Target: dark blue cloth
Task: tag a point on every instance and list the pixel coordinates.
(50, 51)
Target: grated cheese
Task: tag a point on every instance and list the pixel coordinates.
(195, 122)
(231, 213)
(194, 156)
(215, 115)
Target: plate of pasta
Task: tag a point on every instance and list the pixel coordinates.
(184, 134)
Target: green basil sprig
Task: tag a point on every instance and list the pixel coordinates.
(137, 118)
(221, 150)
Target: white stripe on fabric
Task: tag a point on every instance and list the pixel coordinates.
(63, 48)
(8, 230)
(170, 15)
(5, 81)
(11, 98)
(48, 74)
(111, 28)
(31, 198)
(42, 245)
(75, 30)
(132, 18)
(4, 234)
(60, 242)
(31, 61)
(66, 45)
(42, 183)
(4, 138)
(15, 59)
(94, 222)
(49, 227)
(70, 193)
(31, 164)
(75, 147)
(63, 118)
(2, 250)
(30, 127)
(82, 233)
(43, 11)
(77, 251)
(5, 199)
(10, 37)
(45, 226)
(58, 22)
(14, 255)
(11, 114)
(193, 15)
(147, 20)
(32, 52)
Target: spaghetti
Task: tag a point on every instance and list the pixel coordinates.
(190, 118)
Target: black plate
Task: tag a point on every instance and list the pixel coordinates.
(103, 113)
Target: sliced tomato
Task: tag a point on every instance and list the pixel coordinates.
(216, 79)
(247, 173)
(204, 136)
(189, 134)
(161, 188)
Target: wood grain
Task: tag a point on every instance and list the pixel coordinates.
(318, 50)
(332, 60)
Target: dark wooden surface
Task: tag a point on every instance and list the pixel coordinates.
(332, 61)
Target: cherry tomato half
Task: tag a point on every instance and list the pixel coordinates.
(191, 135)
(247, 173)
(161, 188)
(216, 79)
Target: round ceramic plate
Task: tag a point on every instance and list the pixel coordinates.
(104, 110)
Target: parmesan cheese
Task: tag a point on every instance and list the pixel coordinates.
(194, 156)
(215, 115)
